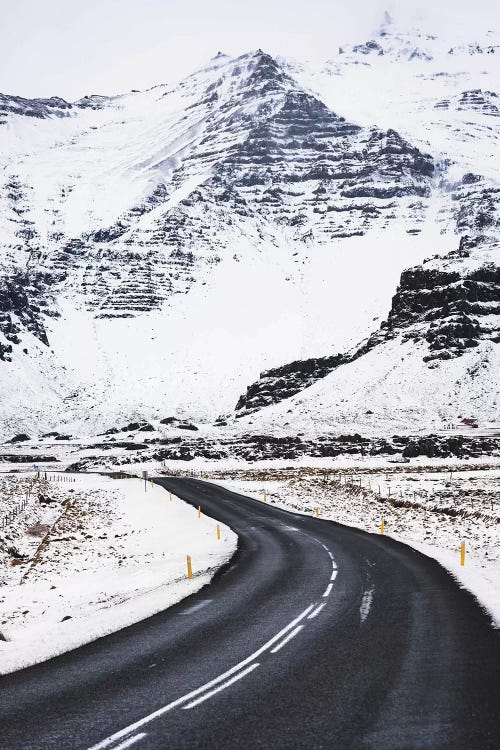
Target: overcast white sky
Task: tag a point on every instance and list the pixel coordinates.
(75, 47)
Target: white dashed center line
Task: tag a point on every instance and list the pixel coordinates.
(316, 611)
(237, 669)
(288, 638)
(224, 685)
(131, 741)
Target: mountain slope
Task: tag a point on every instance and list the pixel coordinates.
(449, 306)
(159, 249)
(435, 359)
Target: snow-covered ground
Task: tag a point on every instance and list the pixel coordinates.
(101, 554)
(431, 508)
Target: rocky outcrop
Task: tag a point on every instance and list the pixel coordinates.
(459, 446)
(41, 109)
(253, 448)
(477, 209)
(21, 309)
(450, 303)
(476, 100)
(282, 382)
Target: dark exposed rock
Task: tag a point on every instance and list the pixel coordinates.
(146, 427)
(127, 444)
(179, 424)
(34, 458)
(21, 438)
(461, 446)
(41, 109)
(282, 382)
(478, 100)
(448, 303)
(138, 427)
(20, 306)
(267, 447)
(368, 48)
(5, 352)
(131, 427)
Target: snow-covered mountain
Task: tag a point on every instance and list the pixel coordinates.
(160, 249)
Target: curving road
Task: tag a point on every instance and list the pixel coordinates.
(315, 635)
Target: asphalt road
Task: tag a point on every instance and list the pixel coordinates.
(315, 635)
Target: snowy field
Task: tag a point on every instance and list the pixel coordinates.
(431, 508)
(88, 555)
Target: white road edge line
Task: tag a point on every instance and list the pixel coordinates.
(160, 711)
(288, 638)
(316, 611)
(334, 575)
(328, 589)
(224, 685)
(131, 741)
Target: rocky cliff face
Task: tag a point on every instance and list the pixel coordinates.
(477, 100)
(282, 382)
(452, 303)
(42, 109)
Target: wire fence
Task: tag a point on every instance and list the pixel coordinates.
(21, 505)
(15, 511)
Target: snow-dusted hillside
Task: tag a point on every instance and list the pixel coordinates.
(160, 249)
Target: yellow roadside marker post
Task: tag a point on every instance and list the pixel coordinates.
(218, 531)
(170, 496)
(317, 512)
(382, 527)
(265, 497)
(462, 553)
(199, 511)
(189, 567)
